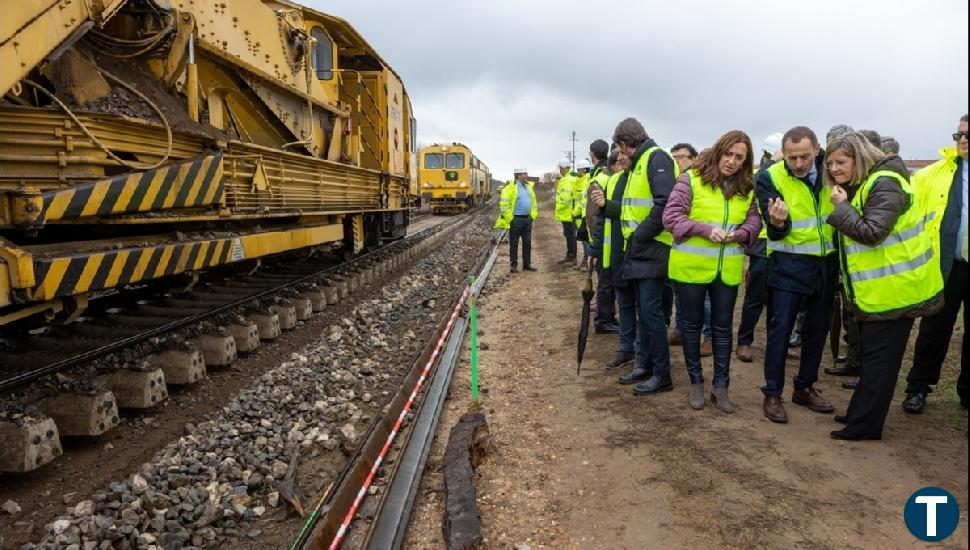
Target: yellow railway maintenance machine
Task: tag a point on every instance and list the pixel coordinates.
(452, 179)
(141, 139)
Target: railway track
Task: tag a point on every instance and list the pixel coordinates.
(414, 285)
(132, 318)
(397, 444)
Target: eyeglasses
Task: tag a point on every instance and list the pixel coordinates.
(958, 135)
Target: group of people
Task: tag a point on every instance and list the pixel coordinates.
(811, 221)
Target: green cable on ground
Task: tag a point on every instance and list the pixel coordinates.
(473, 313)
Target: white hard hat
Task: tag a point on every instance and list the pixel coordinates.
(583, 165)
(520, 170)
(772, 143)
(564, 163)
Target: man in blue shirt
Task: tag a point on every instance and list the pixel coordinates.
(946, 179)
(518, 196)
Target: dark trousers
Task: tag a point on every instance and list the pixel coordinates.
(521, 227)
(783, 307)
(626, 303)
(679, 320)
(691, 312)
(933, 340)
(668, 302)
(854, 351)
(569, 231)
(605, 298)
(883, 346)
(654, 354)
(754, 299)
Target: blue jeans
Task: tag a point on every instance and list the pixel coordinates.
(783, 307)
(654, 354)
(626, 302)
(722, 299)
(679, 322)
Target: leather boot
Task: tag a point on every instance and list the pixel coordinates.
(842, 371)
(707, 348)
(851, 384)
(675, 338)
(744, 353)
(914, 403)
(774, 409)
(653, 385)
(635, 375)
(809, 397)
(719, 396)
(619, 361)
(695, 398)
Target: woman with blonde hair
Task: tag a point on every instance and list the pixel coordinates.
(713, 216)
(888, 268)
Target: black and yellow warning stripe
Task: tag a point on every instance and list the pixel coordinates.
(79, 273)
(196, 182)
(58, 277)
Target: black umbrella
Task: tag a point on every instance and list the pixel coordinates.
(584, 324)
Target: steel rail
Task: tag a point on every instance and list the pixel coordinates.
(327, 523)
(28, 376)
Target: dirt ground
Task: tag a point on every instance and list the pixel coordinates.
(579, 462)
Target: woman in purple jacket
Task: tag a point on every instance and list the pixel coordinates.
(713, 216)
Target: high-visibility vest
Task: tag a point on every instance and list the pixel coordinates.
(638, 197)
(506, 204)
(564, 197)
(599, 178)
(932, 188)
(809, 234)
(580, 189)
(900, 272)
(700, 261)
(608, 223)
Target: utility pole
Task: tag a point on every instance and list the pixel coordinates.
(572, 157)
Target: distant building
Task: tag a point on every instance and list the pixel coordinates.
(914, 164)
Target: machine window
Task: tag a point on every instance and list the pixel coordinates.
(455, 160)
(322, 54)
(434, 161)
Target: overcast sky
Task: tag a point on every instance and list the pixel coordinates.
(512, 79)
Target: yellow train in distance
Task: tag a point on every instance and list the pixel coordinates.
(452, 178)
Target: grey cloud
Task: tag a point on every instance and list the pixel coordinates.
(689, 70)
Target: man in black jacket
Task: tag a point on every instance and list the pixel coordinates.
(604, 164)
(935, 331)
(795, 277)
(645, 261)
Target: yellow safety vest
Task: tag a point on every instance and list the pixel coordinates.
(580, 189)
(900, 272)
(700, 261)
(638, 197)
(932, 188)
(564, 197)
(608, 223)
(506, 204)
(809, 234)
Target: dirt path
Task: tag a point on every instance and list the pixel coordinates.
(579, 462)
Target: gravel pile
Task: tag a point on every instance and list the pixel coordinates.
(212, 484)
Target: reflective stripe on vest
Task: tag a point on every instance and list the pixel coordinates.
(700, 261)
(638, 197)
(809, 234)
(901, 272)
